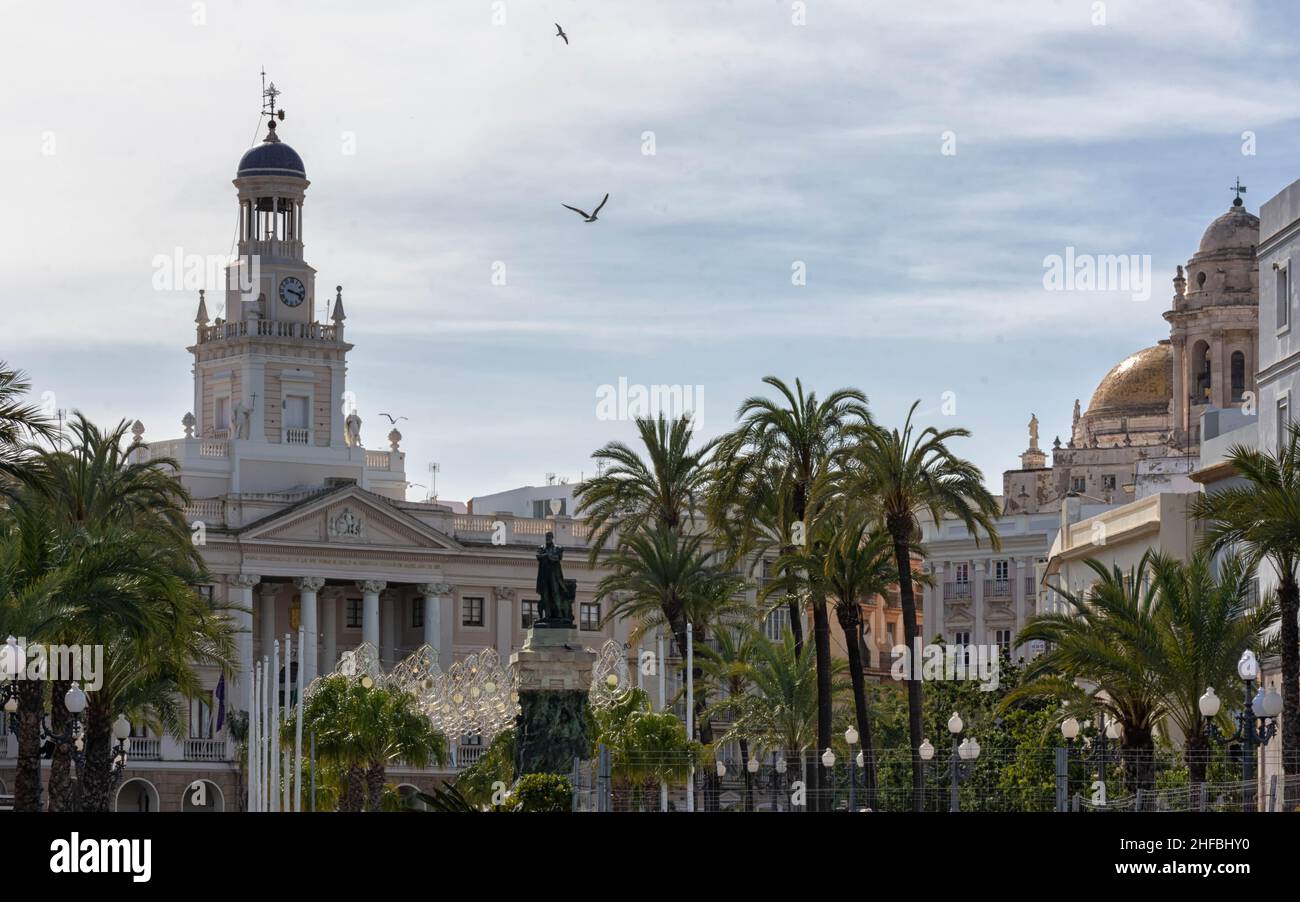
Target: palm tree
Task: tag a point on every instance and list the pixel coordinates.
(20, 422)
(859, 566)
(634, 493)
(1086, 644)
(1260, 518)
(780, 711)
(364, 729)
(726, 671)
(125, 516)
(798, 438)
(1200, 627)
(907, 473)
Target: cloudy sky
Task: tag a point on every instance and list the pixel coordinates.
(442, 138)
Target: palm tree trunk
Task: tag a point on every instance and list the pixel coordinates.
(850, 616)
(1138, 752)
(1196, 752)
(796, 622)
(901, 531)
(27, 778)
(375, 775)
(60, 785)
(822, 647)
(97, 781)
(353, 795)
(1289, 603)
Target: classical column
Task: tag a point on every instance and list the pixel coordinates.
(308, 586)
(370, 590)
(330, 617)
(936, 629)
(242, 586)
(434, 594)
(505, 621)
(1018, 598)
(979, 568)
(390, 609)
(266, 615)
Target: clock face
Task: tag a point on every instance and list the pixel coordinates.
(292, 291)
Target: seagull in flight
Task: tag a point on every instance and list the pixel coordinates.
(587, 217)
(559, 33)
(390, 417)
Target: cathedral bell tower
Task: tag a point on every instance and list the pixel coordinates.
(267, 371)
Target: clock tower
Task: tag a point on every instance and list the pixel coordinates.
(267, 371)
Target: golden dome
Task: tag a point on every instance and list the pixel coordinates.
(1140, 383)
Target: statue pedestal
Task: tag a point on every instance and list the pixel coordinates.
(554, 672)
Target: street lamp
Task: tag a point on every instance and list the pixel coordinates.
(855, 761)
(961, 764)
(1256, 723)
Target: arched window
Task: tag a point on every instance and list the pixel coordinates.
(1200, 373)
(1238, 375)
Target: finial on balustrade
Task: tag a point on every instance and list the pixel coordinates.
(394, 439)
(189, 422)
(202, 316)
(137, 430)
(339, 315)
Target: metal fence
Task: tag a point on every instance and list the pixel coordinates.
(1005, 779)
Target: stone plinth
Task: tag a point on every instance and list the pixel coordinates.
(554, 672)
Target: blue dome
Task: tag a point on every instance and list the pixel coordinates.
(275, 158)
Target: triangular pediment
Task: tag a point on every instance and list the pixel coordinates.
(348, 516)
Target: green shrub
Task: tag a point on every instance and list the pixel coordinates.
(542, 792)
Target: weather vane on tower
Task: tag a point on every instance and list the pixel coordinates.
(269, 93)
(1239, 188)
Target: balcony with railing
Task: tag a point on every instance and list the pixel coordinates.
(144, 748)
(953, 591)
(204, 749)
(267, 329)
(997, 588)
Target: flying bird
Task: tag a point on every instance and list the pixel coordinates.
(559, 33)
(390, 417)
(587, 217)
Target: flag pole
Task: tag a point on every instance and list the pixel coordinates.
(297, 728)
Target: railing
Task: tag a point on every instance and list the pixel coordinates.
(267, 328)
(144, 749)
(203, 749)
(208, 510)
(956, 590)
(997, 588)
(294, 435)
(467, 755)
(377, 460)
(214, 448)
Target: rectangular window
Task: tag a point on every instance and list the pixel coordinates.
(1003, 638)
(1283, 422)
(471, 612)
(1283, 296)
(1000, 570)
(1108, 483)
(417, 613)
(528, 612)
(295, 411)
(590, 615)
(776, 623)
(889, 634)
(201, 719)
(542, 508)
(961, 573)
(354, 614)
(1078, 483)
(962, 640)
(222, 414)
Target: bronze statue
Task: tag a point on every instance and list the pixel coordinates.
(555, 594)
